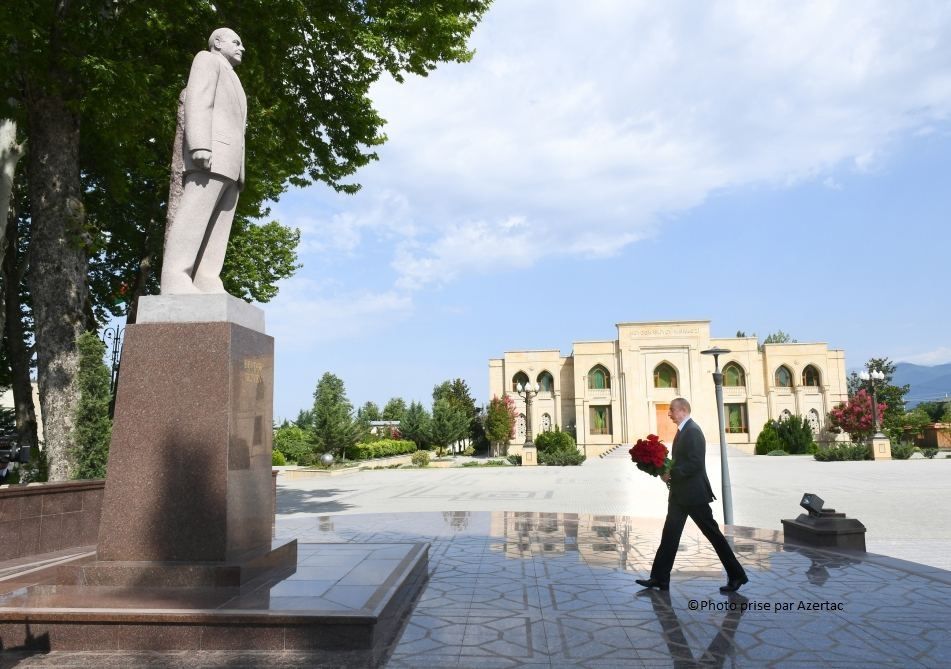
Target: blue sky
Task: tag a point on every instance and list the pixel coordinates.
(762, 165)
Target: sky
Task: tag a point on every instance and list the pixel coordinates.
(763, 165)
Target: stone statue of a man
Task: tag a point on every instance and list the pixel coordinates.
(213, 157)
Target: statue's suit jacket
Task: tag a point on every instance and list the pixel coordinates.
(689, 485)
(216, 111)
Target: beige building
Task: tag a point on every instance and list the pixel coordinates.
(615, 392)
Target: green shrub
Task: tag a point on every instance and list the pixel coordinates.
(294, 442)
(795, 435)
(560, 458)
(381, 448)
(515, 459)
(554, 440)
(420, 458)
(469, 451)
(496, 463)
(900, 452)
(768, 439)
(929, 452)
(846, 451)
(778, 452)
(277, 459)
(92, 427)
(471, 463)
(307, 459)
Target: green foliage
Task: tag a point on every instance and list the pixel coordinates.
(277, 459)
(844, 451)
(380, 449)
(449, 424)
(795, 435)
(258, 257)
(395, 409)
(415, 425)
(560, 457)
(515, 459)
(469, 451)
(334, 427)
(929, 452)
(369, 412)
(779, 337)
(936, 410)
(496, 463)
(420, 458)
(902, 452)
(554, 440)
(768, 439)
(778, 452)
(92, 427)
(914, 423)
(294, 442)
(499, 420)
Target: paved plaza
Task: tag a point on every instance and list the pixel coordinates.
(535, 568)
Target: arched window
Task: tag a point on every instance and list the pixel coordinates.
(813, 418)
(546, 422)
(733, 375)
(520, 428)
(519, 378)
(783, 377)
(665, 376)
(545, 382)
(810, 376)
(785, 414)
(598, 378)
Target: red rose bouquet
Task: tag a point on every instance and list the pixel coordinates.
(650, 455)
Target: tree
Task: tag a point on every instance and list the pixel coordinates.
(95, 86)
(855, 416)
(796, 435)
(914, 423)
(305, 419)
(93, 428)
(415, 425)
(395, 409)
(500, 420)
(369, 411)
(450, 424)
(935, 410)
(457, 393)
(294, 442)
(779, 337)
(334, 427)
(891, 395)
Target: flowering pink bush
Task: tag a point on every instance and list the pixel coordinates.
(855, 416)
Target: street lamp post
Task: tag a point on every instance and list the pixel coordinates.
(874, 375)
(528, 391)
(112, 337)
(727, 494)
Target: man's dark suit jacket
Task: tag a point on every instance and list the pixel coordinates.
(689, 485)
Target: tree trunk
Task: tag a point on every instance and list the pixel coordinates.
(10, 154)
(18, 353)
(58, 266)
(176, 186)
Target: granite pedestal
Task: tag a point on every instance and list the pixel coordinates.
(185, 554)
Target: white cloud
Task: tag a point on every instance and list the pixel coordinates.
(306, 312)
(578, 128)
(937, 356)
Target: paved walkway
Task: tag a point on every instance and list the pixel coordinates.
(901, 502)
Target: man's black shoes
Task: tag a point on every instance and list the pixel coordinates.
(734, 584)
(652, 583)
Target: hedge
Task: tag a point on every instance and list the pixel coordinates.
(380, 449)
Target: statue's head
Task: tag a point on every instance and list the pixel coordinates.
(226, 42)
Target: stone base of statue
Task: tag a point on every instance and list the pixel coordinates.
(186, 558)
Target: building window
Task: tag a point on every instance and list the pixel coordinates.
(733, 375)
(786, 414)
(600, 420)
(520, 428)
(783, 377)
(545, 382)
(665, 376)
(546, 422)
(813, 418)
(598, 378)
(810, 376)
(736, 418)
(520, 378)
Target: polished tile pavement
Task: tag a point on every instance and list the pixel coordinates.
(533, 590)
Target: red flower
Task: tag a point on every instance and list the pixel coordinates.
(650, 455)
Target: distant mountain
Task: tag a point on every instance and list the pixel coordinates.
(927, 383)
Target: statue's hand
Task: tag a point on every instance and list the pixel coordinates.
(202, 158)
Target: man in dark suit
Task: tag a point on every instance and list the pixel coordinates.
(690, 495)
